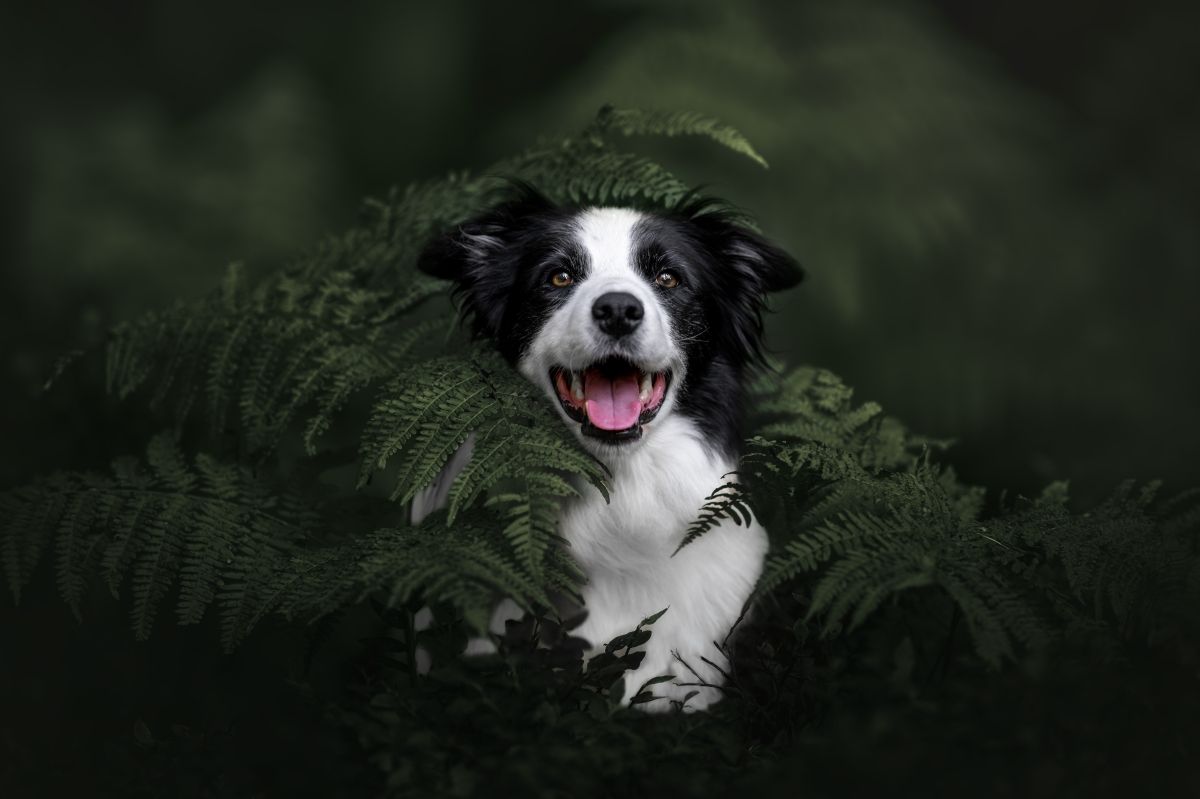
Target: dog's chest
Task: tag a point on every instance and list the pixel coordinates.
(657, 492)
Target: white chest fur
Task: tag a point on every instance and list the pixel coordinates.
(626, 547)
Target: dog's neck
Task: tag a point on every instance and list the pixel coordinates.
(671, 449)
(658, 487)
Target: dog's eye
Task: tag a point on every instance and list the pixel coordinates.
(561, 279)
(667, 280)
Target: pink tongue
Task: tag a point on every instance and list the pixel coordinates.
(612, 404)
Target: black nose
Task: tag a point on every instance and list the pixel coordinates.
(617, 313)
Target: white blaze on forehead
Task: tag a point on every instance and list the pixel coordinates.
(606, 235)
(570, 338)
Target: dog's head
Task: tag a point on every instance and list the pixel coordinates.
(621, 316)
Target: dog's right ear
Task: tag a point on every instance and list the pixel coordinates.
(477, 256)
(482, 256)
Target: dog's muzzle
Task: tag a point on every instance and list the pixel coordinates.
(611, 399)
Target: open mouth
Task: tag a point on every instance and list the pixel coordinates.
(612, 399)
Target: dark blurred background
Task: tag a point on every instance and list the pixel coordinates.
(996, 201)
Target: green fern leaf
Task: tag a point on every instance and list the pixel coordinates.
(206, 525)
(634, 122)
(519, 443)
(82, 539)
(464, 565)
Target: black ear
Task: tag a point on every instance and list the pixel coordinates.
(755, 263)
(743, 267)
(483, 255)
(477, 256)
(753, 267)
(772, 267)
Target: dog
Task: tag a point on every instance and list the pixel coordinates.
(641, 327)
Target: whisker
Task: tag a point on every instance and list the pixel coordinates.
(695, 337)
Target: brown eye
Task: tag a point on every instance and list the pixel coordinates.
(561, 279)
(667, 280)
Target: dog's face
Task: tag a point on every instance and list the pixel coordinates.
(622, 317)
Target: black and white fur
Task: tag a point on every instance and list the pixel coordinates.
(700, 329)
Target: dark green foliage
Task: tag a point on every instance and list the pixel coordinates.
(520, 447)
(872, 519)
(586, 169)
(467, 565)
(319, 334)
(527, 721)
(814, 405)
(673, 123)
(1127, 570)
(214, 527)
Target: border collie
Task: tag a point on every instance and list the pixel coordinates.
(640, 327)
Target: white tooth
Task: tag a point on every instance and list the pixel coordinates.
(647, 384)
(576, 387)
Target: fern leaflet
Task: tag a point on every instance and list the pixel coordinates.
(523, 456)
(204, 524)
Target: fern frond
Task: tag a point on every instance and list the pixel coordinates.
(1180, 513)
(202, 524)
(587, 169)
(772, 475)
(82, 540)
(465, 565)
(808, 404)
(520, 447)
(271, 350)
(637, 122)
(1125, 560)
(579, 172)
(869, 516)
(725, 502)
(435, 404)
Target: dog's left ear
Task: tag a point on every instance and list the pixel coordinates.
(746, 268)
(764, 264)
(748, 261)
